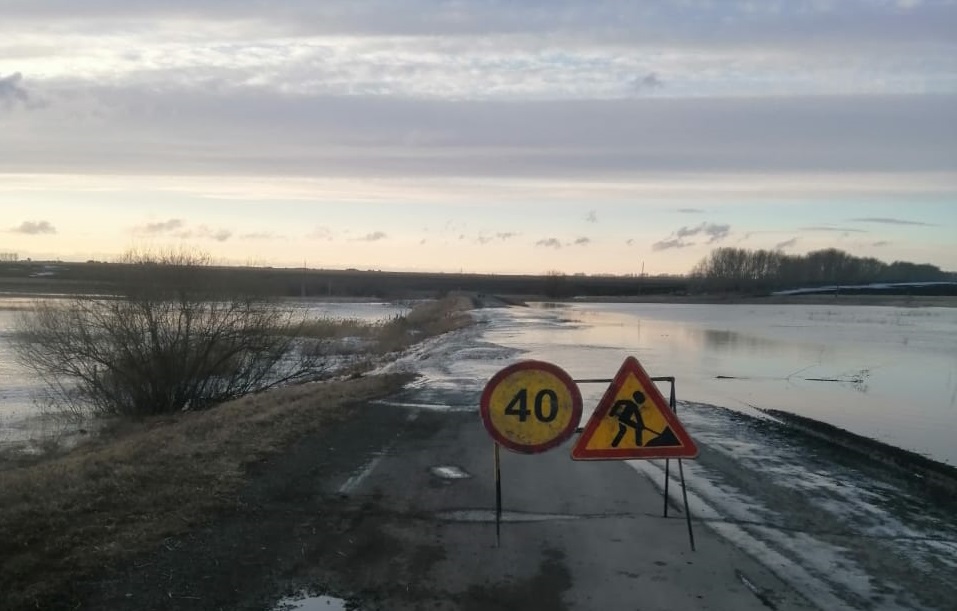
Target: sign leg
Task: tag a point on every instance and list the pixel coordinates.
(673, 403)
(684, 494)
(498, 497)
(667, 479)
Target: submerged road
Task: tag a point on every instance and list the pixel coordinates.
(576, 535)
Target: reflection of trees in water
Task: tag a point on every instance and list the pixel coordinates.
(725, 340)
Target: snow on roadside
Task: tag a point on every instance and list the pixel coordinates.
(836, 527)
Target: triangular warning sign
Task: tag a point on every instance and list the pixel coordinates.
(633, 420)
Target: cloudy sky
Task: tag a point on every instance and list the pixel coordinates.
(480, 135)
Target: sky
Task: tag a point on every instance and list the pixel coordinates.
(507, 136)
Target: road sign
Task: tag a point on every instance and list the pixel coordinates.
(531, 407)
(633, 420)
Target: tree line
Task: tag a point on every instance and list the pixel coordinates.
(740, 269)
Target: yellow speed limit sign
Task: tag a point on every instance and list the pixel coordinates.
(531, 407)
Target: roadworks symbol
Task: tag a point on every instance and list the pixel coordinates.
(633, 420)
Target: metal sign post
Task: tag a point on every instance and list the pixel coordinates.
(529, 407)
(532, 407)
(673, 404)
(498, 497)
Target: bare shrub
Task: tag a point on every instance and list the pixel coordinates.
(173, 336)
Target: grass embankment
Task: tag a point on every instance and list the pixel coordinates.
(124, 492)
(425, 320)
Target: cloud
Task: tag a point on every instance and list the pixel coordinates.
(591, 217)
(260, 235)
(549, 243)
(670, 244)
(505, 235)
(161, 227)
(220, 235)
(582, 241)
(12, 91)
(690, 210)
(715, 232)
(320, 233)
(684, 232)
(648, 82)
(672, 23)
(178, 228)
(375, 236)
(785, 244)
(881, 243)
(34, 228)
(203, 232)
(833, 229)
(575, 139)
(891, 221)
(630, 241)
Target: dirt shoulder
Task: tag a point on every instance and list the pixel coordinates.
(288, 515)
(63, 519)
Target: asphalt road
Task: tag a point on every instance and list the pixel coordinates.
(576, 535)
(363, 512)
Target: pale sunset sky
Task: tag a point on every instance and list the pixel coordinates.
(594, 136)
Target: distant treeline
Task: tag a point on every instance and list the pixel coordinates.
(739, 269)
(92, 277)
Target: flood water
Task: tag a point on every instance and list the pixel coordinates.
(891, 373)
(881, 372)
(885, 373)
(20, 416)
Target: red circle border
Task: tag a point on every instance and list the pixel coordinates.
(556, 371)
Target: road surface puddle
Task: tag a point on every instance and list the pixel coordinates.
(311, 603)
(449, 472)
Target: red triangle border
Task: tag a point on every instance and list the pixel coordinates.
(687, 449)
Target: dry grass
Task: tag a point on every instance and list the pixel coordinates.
(338, 328)
(128, 491)
(426, 319)
(423, 321)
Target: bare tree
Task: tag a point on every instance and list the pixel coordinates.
(170, 338)
(738, 269)
(555, 285)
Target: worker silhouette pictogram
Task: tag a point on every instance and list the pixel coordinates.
(628, 412)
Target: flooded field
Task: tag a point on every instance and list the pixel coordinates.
(20, 415)
(885, 373)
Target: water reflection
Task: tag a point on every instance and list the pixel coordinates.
(304, 602)
(886, 373)
(732, 340)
